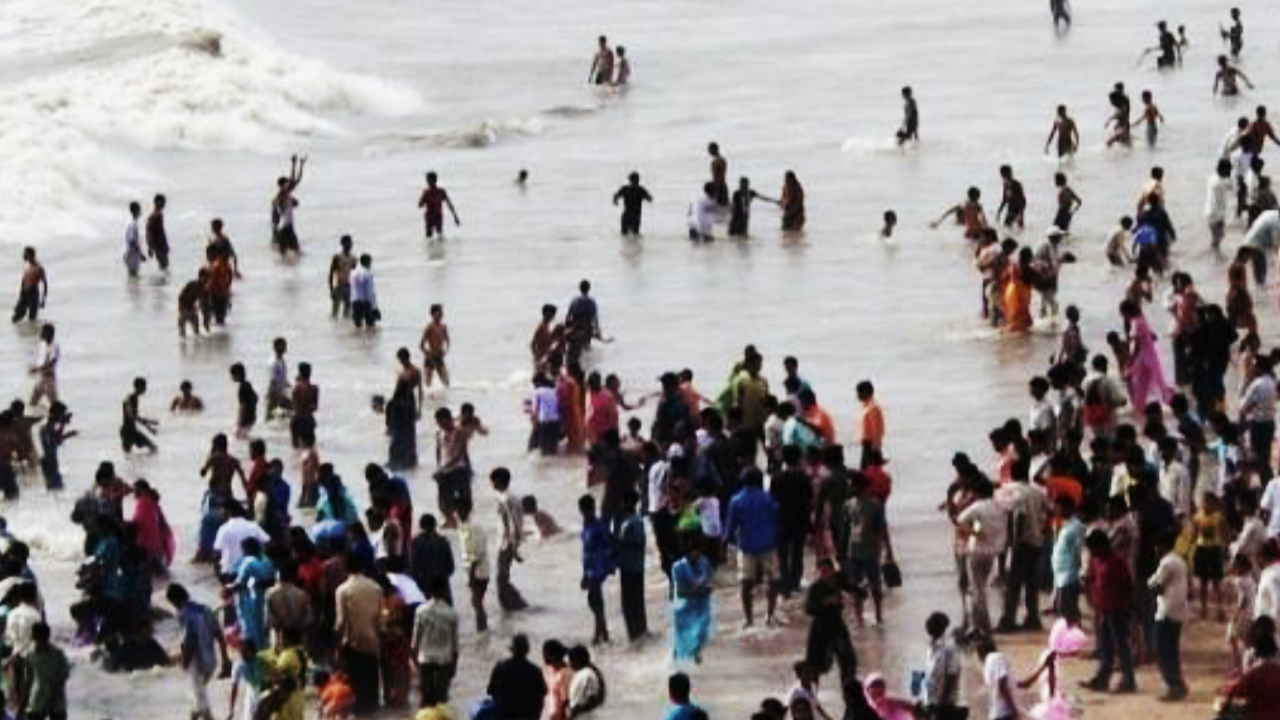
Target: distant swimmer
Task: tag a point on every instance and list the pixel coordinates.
(282, 205)
(433, 200)
(33, 288)
(1013, 200)
(1061, 10)
(792, 203)
(435, 345)
(340, 269)
(133, 254)
(968, 213)
(602, 64)
(890, 222)
(1224, 82)
(1183, 42)
(740, 208)
(1119, 120)
(910, 130)
(719, 171)
(1064, 129)
(1234, 35)
(1068, 202)
(186, 401)
(622, 75)
(157, 240)
(633, 196)
(1151, 116)
(522, 179)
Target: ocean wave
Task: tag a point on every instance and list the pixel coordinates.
(161, 74)
(478, 135)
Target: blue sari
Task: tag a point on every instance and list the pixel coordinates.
(253, 577)
(692, 621)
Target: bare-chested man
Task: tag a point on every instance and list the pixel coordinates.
(410, 376)
(157, 239)
(545, 337)
(1225, 80)
(434, 345)
(191, 301)
(1064, 128)
(602, 64)
(282, 205)
(340, 278)
(719, 171)
(433, 201)
(33, 290)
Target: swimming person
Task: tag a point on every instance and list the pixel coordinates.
(910, 130)
(1226, 78)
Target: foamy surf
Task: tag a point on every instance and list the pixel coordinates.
(166, 74)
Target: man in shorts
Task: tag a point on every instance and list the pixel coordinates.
(753, 526)
(434, 346)
(340, 269)
(433, 201)
(34, 288)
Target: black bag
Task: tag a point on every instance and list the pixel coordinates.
(892, 574)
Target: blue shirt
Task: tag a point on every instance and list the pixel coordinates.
(753, 521)
(1066, 553)
(682, 712)
(199, 630)
(631, 545)
(597, 552)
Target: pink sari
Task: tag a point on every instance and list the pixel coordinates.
(1145, 373)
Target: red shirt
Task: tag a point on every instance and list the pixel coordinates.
(1110, 584)
(1260, 690)
(879, 484)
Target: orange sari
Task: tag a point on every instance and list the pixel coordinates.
(1017, 300)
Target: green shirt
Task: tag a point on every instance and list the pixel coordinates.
(49, 671)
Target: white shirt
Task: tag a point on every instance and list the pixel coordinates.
(278, 375)
(941, 661)
(989, 523)
(584, 686)
(1219, 193)
(1252, 537)
(709, 516)
(1264, 233)
(659, 475)
(17, 629)
(1041, 415)
(1175, 486)
(47, 356)
(1271, 503)
(362, 286)
(407, 588)
(229, 538)
(546, 405)
(1170, 581)
(1268, 602)
(132, 241)
(994, 670)
(475, 549)
(1258, 404)
(703, 214)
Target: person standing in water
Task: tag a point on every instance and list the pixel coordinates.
(1013, 201)
(1234, 36)
(133, 255)
(1119, 120)
(968, 213)
(602, 64)
(624, 69)
(719, 171)
(340, 269)
(1168, 47)
(1064, 128)
(282, 205)
(1151, 116)
(910, 130)
(157, 240)
(1061, 13)
(1068, 202)
(740, 208)
(33, 288)
(364, 296)
(433, 200)
(434, 344)
(1226, 78)
(633, 196)
(792, 202)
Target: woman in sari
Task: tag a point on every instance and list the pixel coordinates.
(792, 203)
(691, 576)
(253, 575)
(1017, 293)
(154, 536)
(402, 428)
(569, 396)
(1144, 372)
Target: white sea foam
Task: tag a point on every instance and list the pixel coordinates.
(162, 74)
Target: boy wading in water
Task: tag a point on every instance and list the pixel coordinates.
(633, 196)
(435, 343)
(433, 200)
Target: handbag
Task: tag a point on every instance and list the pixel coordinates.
(892, 573)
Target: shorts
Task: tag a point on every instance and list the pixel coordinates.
(477, 584)
(1063, 219)
(287, 239)
(861, 572)
(247, 417)
(435, 224)
(760, 567)
(433, 361)
(630, 223)
(1209, 563)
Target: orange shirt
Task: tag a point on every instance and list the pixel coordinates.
(822, 421)
(872, 424)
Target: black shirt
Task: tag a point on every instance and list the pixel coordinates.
(517, 689)
(432, 560)
(794, 493)
(633, 197)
